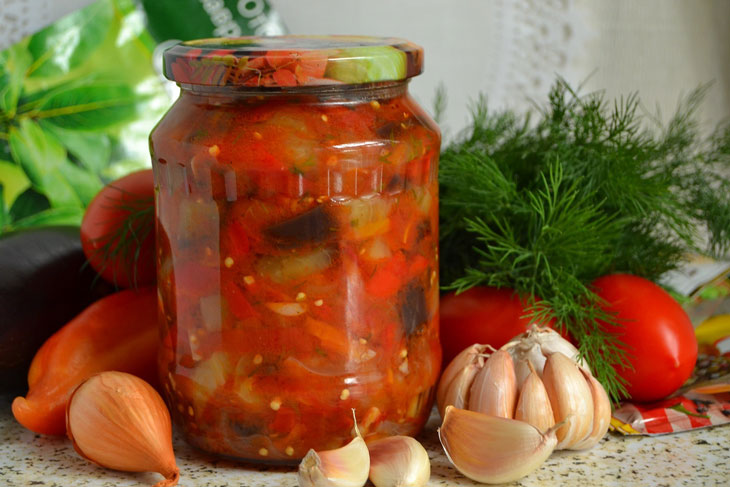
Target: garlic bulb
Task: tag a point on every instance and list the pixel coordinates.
(544, 394)
(347, 466)
(493, 450)
(398, 461)
(119, 421)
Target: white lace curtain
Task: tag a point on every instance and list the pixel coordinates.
(512, 50)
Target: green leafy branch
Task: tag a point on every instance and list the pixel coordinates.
(65, 93)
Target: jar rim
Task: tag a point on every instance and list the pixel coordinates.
(292, 60)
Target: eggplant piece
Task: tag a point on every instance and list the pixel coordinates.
(388, 131)
(412, 307)
(43, 285)
(396, 185)
(309, 228)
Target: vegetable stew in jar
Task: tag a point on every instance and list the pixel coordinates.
(297, 230)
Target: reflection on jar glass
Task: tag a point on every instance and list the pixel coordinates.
(297, 231)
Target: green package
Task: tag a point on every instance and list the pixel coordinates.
(212, 18)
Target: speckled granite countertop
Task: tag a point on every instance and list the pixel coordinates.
(697, 458)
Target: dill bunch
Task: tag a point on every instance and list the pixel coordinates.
(547, 202)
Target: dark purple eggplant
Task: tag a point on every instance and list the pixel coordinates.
(312, 227)
(412, 307)
(43, 285)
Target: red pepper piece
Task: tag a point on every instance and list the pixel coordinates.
(238, 245)
(118, 332)
(387, 279)
(237, 302)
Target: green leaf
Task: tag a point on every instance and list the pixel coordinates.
(28, 203)
(13, 180)
(85, 184)
(50, 172)
(95, 106)
(51, 216)
(34, 97)
(93, 150)
(67, 43)
(14, 63)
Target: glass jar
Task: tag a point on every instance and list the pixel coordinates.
(297, 231)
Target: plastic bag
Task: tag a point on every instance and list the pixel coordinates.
(704, 400)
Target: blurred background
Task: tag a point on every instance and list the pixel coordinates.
(512, 50)
(81, 84)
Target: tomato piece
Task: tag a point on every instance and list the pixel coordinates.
(350, 122)
(656, 332)
(311, 64)
(263, 339)
(418, 265)
(237, 302)
(387, 279)
(284, 77)
(284, 420)
(238, 244)
(279, 59)
(117, 231)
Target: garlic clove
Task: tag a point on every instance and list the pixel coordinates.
(601, 413)
(533, 405)
(457, 391)
(534, 358)
(398, 461)
(494, 390)
(493, 450)
(347, 466)
(119, 421)
(465, 358)
(344, 467)
(570, 397)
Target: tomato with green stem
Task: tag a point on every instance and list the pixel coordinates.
(117, 231)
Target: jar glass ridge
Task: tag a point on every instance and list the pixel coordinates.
(297, 232)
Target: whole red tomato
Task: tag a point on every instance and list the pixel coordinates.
(117, 231)
(484, 315)
(657, 333)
